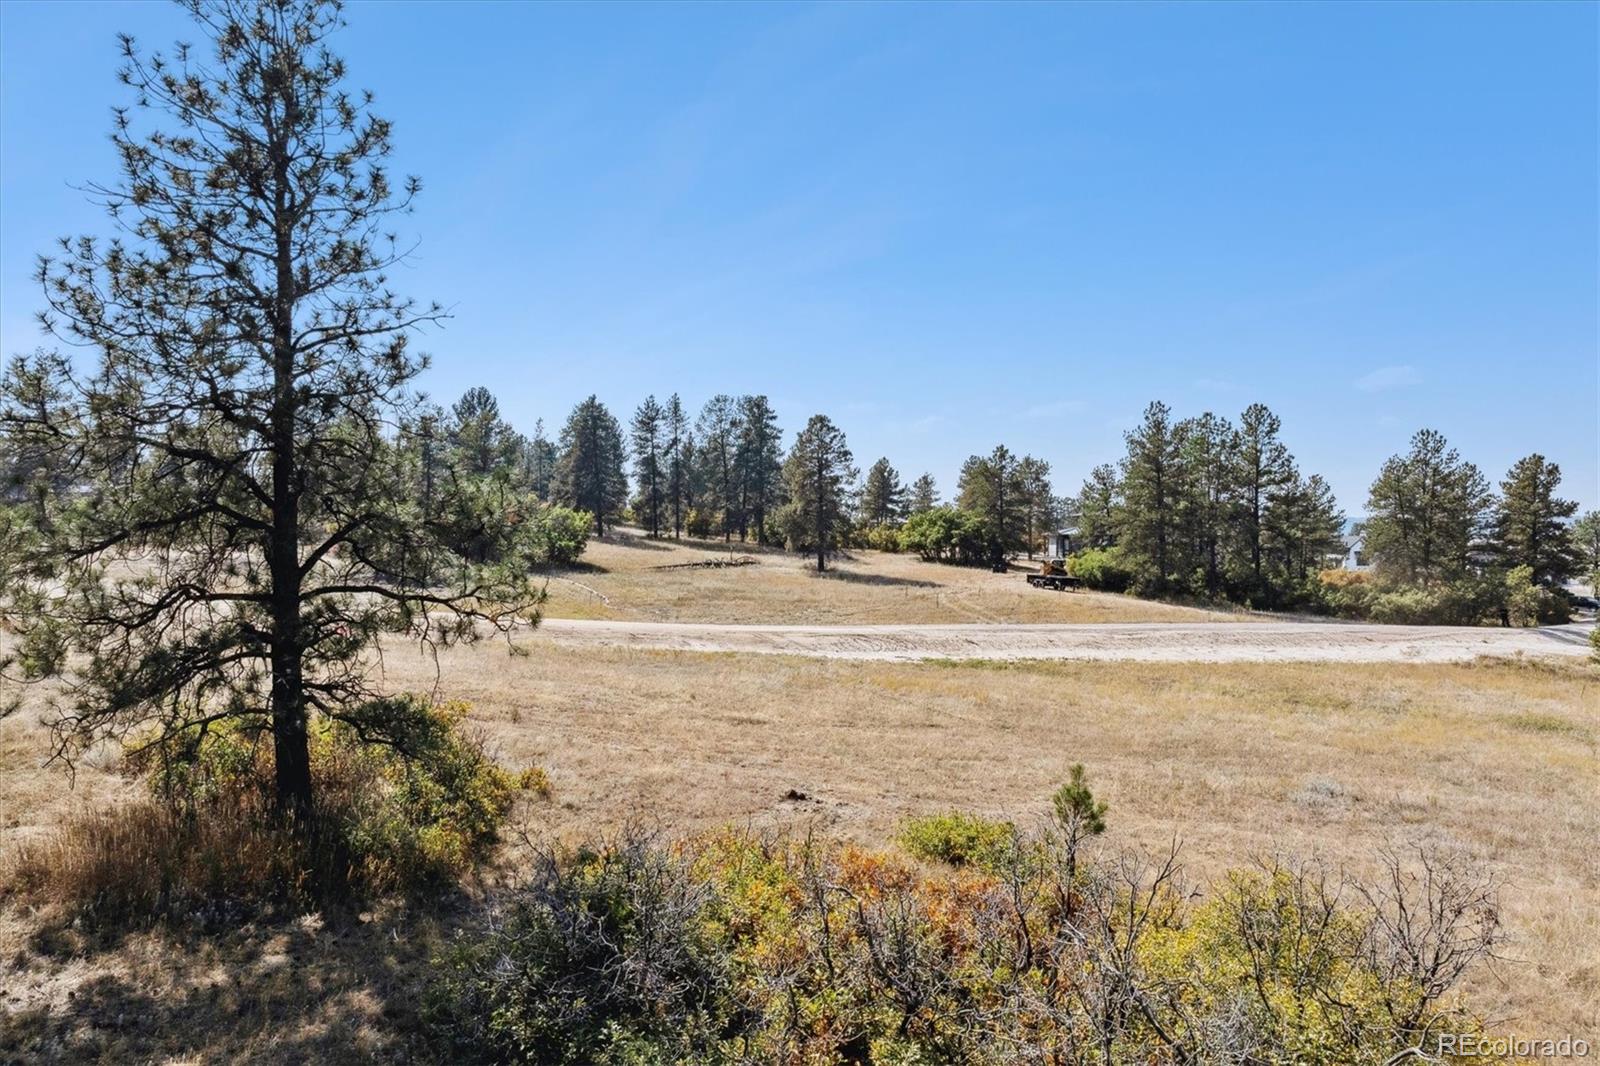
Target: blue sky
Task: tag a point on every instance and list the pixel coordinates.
(951, 226)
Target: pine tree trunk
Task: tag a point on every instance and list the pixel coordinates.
(290, 745)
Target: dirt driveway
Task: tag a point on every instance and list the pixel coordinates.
(1213, 642)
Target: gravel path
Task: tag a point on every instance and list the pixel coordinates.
(1214, 642)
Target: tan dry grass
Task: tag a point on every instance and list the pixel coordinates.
(1498, 759)
(627, 576)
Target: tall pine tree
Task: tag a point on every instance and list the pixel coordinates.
(676, 429)
(1151, 491)
(647, 435)
(589, 473)
(759, 460)
(250, 366)
(1426, 511)
(882, 495)
(818, 471)
(1530, 523)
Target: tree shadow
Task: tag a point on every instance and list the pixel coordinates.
(564, 569)
(855, 577)
(337, 987)
(637, 541)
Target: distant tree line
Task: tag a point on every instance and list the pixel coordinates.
(1199, 507)
(1206, 508)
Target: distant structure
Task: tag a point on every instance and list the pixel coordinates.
(1355, 556)
(1061, 543)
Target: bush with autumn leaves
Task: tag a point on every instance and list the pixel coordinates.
(743, 948)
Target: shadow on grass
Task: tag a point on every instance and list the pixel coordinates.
(564, 569)
(307, 990)
(635, 540)
(855, 577)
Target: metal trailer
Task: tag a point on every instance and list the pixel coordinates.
(1057, 582)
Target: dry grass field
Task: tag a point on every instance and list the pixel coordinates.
(1498, 760)
(627, 576)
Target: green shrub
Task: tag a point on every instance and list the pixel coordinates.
(959, 839)
(1465, 602)
(1530, 604)
(883, 538)
(560, 535)
(738, 948)
(947, 535)
(1594, 644)
(1101, 568)
(700, 522)
(207, 842)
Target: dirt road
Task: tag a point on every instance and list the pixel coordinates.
(1213, 642)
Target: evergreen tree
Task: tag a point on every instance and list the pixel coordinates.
(250, 360)
(1530, 523)
(990, 488)
(538, 463)
(693, 481)
(882, 496)
(424, 446)
(1306, 526)
(1426, 511)
(1264, 469)
(1586, 542)
(678, 465)
(1038, 503)
(924, 494)
(1099, 502)
(717, 437)
(1208, 456)
(481, 443)
(1147, 522)
(817, 471)
(589, 473)
(759, 460)
(33, 471)
(648, 433)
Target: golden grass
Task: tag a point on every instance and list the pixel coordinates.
(627, 576)
(1498, 759)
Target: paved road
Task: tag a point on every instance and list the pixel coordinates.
(1132, 641)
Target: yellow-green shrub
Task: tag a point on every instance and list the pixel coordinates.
(959, 839)
(208, 842)
(738, 948)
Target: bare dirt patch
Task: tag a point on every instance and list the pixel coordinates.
(1205, 642)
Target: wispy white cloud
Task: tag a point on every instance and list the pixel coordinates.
(1056, 409)
(923, 424)
(1389, 377)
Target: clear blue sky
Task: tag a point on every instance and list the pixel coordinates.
(951, 226)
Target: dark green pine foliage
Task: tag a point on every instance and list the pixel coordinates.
(1152, 482)
(246, 526)
(991, 488)
(924, 495)
(759, 460)
(883, 498)
(647, 435)
(1531, 522)
(1426, 512)
(818, 473)
(589, 474)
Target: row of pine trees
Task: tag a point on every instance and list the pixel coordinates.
(1204, 505)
